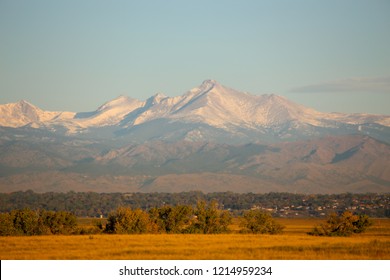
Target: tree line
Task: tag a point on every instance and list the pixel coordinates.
(204, 218)
(90, 204)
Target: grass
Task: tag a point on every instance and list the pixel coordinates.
(294, 243)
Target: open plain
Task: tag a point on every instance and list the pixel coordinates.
(294, 243)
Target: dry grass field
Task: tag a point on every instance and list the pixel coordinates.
(294, 243)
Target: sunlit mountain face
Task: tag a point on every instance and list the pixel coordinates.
(211, 138)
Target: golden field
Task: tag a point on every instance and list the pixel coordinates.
(294, 243)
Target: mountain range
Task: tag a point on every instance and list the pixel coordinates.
(211, 138)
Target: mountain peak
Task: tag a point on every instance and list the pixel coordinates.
(155, 99)
(118, 101)
(208, 85)
(25, 105)
(23, 102)
(159, 95)
(21, 113)
(210, 82)
(120, 98)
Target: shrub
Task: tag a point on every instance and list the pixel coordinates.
(258, 221)
(342, 225)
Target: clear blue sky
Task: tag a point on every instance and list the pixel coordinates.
(70, 55)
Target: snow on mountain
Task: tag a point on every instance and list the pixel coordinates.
(210, 104)
(218, 106)
(222, 107)
(22, 113)
(360, 118)
(110, 113)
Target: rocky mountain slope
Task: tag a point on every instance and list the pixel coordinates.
(331, 164)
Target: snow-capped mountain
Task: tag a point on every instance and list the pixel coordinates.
(210, 112)
(211, 138)
(222, 107)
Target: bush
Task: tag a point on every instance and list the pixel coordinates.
(127, 221)
(344, 225)
(258, 221)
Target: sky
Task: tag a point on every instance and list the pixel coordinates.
(75, 55)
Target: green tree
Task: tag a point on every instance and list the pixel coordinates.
(127, 221)
(258, 221)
